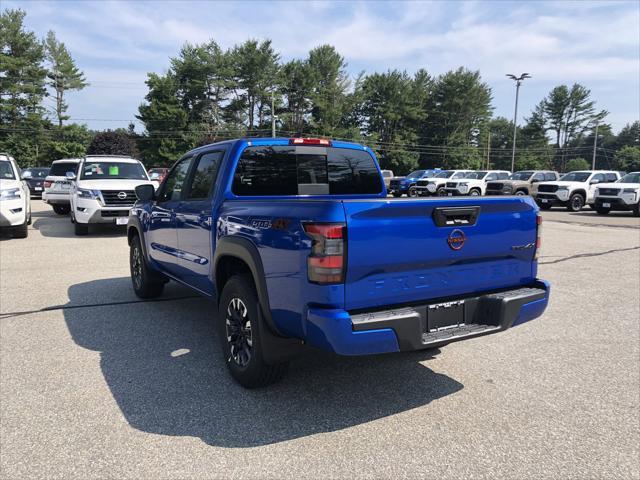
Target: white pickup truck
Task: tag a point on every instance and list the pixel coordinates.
(103, 190)
(474, 183)
(435, 185)
(622, 195)
(574, 190)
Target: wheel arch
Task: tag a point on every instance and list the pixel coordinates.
(236, 252)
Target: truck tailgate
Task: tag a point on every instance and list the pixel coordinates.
(398, 252)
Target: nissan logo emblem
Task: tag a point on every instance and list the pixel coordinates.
(122, 195)
(456, 239)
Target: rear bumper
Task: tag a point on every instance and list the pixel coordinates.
(55, 198)
(413, 328)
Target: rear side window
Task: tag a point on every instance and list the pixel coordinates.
(503, 175)
(303, 170)
(550, 176)
(204, 176)
(61, 169)
(611, 177)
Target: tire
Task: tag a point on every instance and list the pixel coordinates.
(61, 209)
(146, 284)
(413, 193)
(602, 210)
(397, 194)
(441, 192)
(475, 192)
(576, 202)
(239, 333)
(81, 228)
(21, 231)
(544, 206)
(636, 210)
(521, 193)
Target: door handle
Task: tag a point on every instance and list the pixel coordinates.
(456, 216)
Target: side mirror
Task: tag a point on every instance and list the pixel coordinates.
(593, 182)
(26, 175)
(70, 176)
(146, 192)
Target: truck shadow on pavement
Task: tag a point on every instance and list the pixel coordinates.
(163, 364)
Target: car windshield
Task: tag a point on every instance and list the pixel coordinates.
(576, 177)
(524, 176)
(6, 171)
(417, 173)
(633, 177)
(61, 169)
(38, 172)
(475, 175)
(154, 175)
(460, 174)
(444, 174)
(113, 171)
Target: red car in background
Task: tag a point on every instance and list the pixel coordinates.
(158, 174)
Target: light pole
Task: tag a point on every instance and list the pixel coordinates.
(595, 146)
(518, 81)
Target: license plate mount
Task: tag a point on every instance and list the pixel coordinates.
(441, 316)
(122, 220)
(544, 200)
(606, 205)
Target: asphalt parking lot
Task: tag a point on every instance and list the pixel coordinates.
(97, 384)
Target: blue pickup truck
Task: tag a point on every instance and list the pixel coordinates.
(298, 245)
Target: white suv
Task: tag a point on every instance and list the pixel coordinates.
(103, 190)
(56, 186)
(621, 195)
(474, 183)
(574, 190)
(435, 185)
(15, 204)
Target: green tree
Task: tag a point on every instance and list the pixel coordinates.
(628, 136)
(627, 159)
(456, 117)
(330, 83)
(63, 74)
(22, 88)
(255, 66)
(165, 121)
(577, 164)
(113, 142)
(569, 113)
(391, 112)
(295, 85)
(68, 141)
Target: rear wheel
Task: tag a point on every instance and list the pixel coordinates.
(81, 228)
(239, 333)
(576, 202)
(146, 284)
(61, 209)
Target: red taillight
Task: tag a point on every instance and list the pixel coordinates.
(310, 141)
(538, 235)
(47, 183)
(325, 264)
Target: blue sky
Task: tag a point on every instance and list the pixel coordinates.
(594, 43)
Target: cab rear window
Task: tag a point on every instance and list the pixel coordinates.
(304, 170)
(61, 169)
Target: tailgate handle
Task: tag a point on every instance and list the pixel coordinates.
(456, 216)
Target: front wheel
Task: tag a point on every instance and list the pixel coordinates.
(239, 332)
(602, 210)
(61, 209)
(21, 231)
(441, 192)
(576, 202)
(636, 210)
(521, 193)
(475, 192)
(396, 194)
(146, 284)
(413, 192)
(81, 228)
(544, 206)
